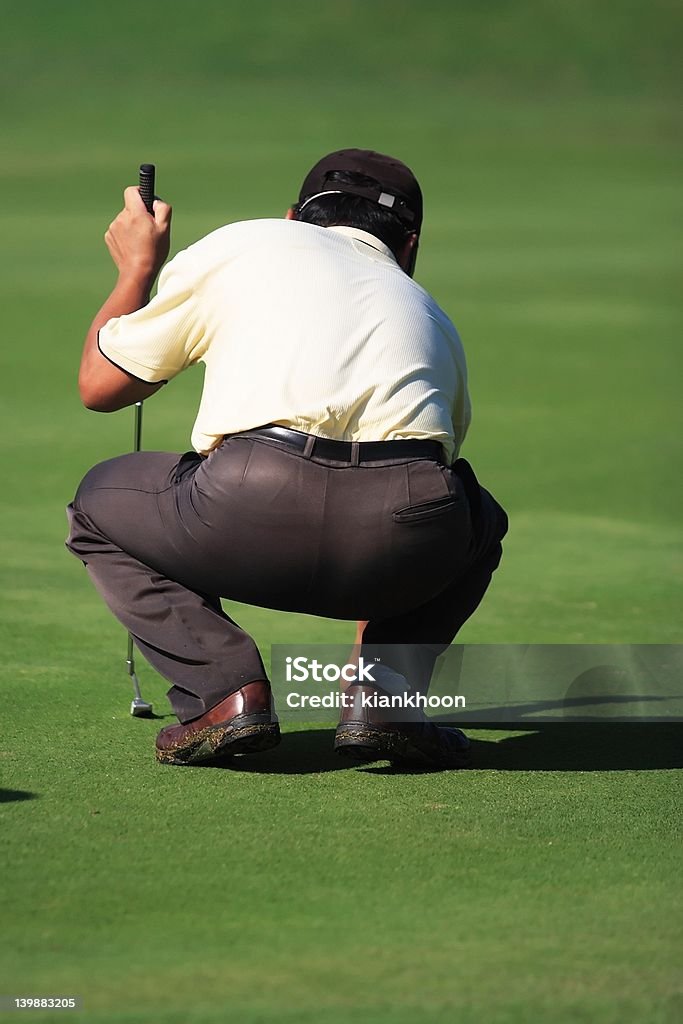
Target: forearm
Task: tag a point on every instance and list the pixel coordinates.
(139, 244)
(104, 387)
(130, 293)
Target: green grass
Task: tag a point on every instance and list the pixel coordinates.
(544, 884)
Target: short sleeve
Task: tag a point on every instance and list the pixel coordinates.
(158, 341)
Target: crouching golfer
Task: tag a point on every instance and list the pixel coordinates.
(325, 476)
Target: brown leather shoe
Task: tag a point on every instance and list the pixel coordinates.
(364, 734)
(243, 723)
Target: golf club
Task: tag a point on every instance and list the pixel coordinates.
(139, 707)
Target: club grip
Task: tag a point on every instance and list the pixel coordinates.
(147, 185)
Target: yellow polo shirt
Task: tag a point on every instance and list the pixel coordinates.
(312, 328)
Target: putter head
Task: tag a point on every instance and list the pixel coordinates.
(140, 708)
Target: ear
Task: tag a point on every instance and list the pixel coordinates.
(290, 215)
(408, 254)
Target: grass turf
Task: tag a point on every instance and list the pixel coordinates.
(542, 885)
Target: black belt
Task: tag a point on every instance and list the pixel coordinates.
(353, 452)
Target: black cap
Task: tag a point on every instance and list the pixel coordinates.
(397, 188)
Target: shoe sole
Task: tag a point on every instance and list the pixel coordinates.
(223, 741)
(367, 743)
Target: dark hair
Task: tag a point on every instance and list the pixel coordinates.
(354, 211)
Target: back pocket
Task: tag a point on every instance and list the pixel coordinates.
(427, 510)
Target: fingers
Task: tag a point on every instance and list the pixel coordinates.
(360, 627)
(162, 214)
(139, 241)
(132, 200)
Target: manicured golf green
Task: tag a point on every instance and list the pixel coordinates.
(544, 885)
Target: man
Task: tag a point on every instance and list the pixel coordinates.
(324, 477)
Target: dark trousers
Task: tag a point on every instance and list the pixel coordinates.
(409, 545)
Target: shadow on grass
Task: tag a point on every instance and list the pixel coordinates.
(300, 753)
(8, 796)
(585, 747)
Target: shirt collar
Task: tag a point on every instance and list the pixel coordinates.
(365, 237)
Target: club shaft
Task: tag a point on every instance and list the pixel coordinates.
(130, 659)
(137, 430)
(130, 662)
